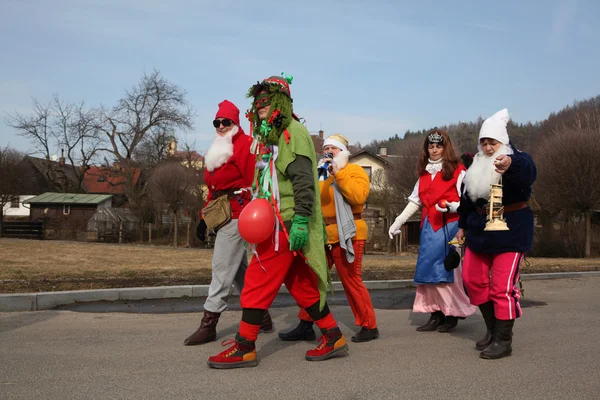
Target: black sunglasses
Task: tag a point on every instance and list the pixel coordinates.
(225, 122)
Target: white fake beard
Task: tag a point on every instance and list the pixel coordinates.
(342, 158)
(221, 150)
(482, 174)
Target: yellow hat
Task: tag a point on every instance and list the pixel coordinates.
(338, 140)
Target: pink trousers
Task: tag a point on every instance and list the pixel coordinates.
(494, 277)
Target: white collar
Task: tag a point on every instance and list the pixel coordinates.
(434, 166)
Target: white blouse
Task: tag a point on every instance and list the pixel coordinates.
(433, 169)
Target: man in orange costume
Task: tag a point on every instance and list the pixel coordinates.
(344, 189)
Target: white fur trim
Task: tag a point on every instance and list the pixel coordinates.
(221, 150)
(342, 158)
(495, 127)
(336, 143)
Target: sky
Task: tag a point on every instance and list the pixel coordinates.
(368, 70)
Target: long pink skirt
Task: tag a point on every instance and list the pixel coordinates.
(449, 298)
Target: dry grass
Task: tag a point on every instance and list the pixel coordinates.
(31, 266)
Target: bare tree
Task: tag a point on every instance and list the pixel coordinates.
(153, 104)
(10, 177)
(175, 187)
(75, 131)
(60, 125)
(35, 127)
(153, 149)
(391, 187)
(568, 175)
(152, 107)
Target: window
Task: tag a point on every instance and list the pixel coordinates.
(368, 171)
(66, 209)
(14, 202)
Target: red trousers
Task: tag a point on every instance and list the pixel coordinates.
(494, 277)
(270, 268)
(354, 287)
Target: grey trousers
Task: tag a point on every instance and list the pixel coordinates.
(229, 264)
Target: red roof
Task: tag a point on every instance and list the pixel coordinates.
(108, 180)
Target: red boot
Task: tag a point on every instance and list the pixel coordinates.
(241, 354)
(332, 343)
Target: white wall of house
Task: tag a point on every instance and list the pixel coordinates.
(16, 208)
(370, 163)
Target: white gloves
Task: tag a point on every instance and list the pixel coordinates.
(452, 207)
(410, 209)
(395, 228)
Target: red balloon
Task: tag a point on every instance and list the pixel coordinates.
(443, 203)
(256, 221)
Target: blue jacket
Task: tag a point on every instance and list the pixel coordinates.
(516, 181)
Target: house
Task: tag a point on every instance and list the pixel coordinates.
(42, 175)
(15, 207)
(112, 180)
(374, 165)
(66, 215)
(189, 158)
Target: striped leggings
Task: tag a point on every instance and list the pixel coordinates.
(494, 277)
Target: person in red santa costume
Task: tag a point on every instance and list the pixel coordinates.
(229, 171)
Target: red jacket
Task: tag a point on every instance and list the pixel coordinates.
(432, 191)
(236, 173)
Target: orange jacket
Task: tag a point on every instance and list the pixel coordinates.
(354, 185)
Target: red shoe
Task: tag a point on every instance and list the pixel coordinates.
(332, 343)
(241, 354)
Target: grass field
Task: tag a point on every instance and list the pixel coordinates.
(32, 266)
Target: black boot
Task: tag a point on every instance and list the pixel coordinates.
(304, 331)
(266, 325)
(501, 342)
(487, 310)
(449, 324)
(366, 335)
(437, 318)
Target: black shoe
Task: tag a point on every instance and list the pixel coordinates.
(449, 324)
(502, 341)
(365, 335)
(304, 331)
(487, 310)
(436, 319)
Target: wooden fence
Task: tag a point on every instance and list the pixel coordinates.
(23, 230)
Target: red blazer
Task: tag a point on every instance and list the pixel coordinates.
(236, 173)
(432, 191)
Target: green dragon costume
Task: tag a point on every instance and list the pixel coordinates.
(282, 128)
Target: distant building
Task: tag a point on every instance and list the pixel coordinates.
(66, 215)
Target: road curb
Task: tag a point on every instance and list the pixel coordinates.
(50, 300)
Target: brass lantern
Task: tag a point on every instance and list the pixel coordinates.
(495, 215)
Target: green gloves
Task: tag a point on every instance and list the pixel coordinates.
(299, 232)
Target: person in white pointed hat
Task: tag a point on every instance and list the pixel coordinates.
(492, 258)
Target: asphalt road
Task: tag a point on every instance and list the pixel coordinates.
(136, 352)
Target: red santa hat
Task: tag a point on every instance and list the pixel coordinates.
(228, 110)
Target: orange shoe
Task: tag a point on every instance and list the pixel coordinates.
(241, 354)
(333, 343)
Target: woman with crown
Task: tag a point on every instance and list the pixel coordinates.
(440, 290)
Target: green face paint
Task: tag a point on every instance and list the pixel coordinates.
(262, 100)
